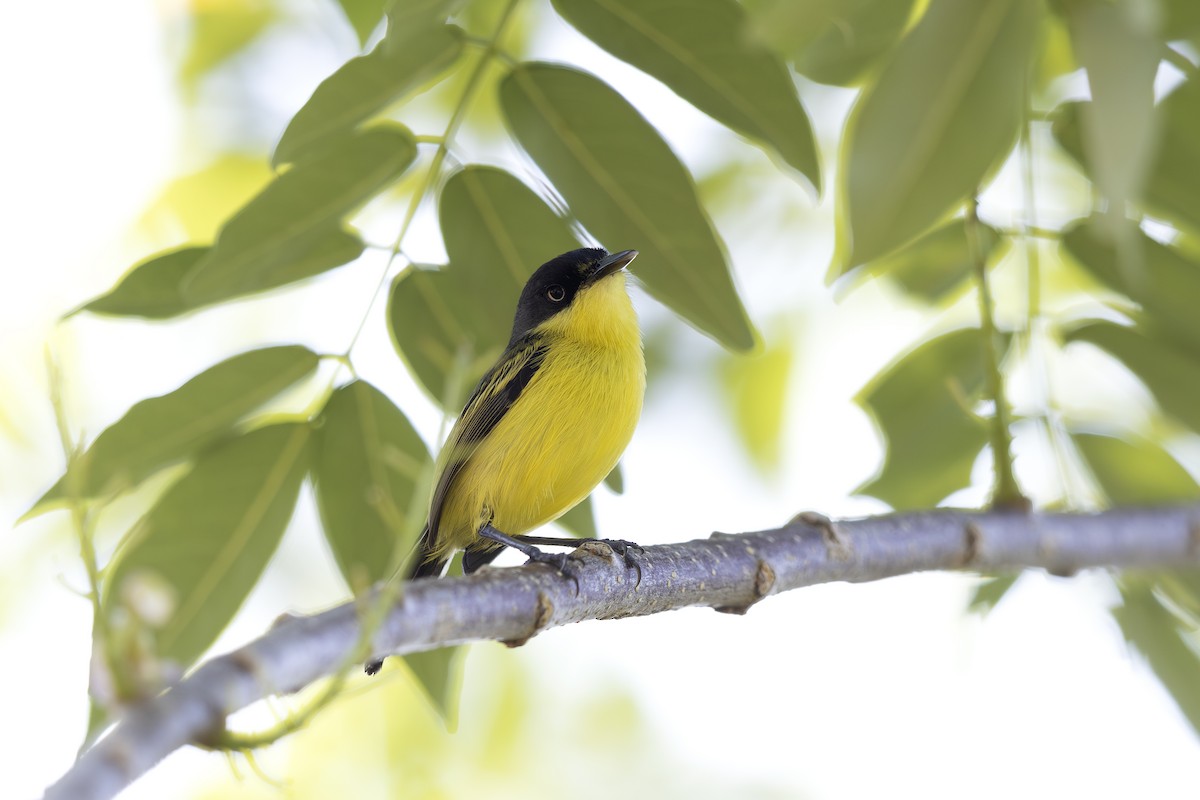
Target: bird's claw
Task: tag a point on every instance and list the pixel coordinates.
(564, 563)
(628, 551)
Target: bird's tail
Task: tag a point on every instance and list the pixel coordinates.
(424, 563)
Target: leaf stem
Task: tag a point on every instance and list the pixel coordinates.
(1005, 491)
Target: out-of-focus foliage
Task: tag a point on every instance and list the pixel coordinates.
(944, 91)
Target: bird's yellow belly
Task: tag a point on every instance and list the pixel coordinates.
(561, 438)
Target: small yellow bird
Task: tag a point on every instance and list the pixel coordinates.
(547, 422)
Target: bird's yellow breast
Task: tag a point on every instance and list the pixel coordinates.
(567, 429)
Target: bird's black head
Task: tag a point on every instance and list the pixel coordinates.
(555, 284)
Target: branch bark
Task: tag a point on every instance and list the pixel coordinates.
(726, 572)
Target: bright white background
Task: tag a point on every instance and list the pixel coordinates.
(887, 689)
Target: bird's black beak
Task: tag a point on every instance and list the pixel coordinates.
(610, 264)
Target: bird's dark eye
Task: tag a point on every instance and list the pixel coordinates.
(556, 293)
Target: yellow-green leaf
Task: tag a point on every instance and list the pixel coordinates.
(165, 430)
(364, 86)
(626, 186)
(150, 289)
(219, 31)
(364, 16)
(940, 261)
(296, 211)
(755, 387)
(943, 113)
(1135, 471)
(581, 520)
(854, 35)
(922, 404)
(367, 465)
(706, 58)
(209, 537)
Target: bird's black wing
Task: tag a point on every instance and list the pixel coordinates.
(491, 400)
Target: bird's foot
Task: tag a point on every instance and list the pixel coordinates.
(627, 550)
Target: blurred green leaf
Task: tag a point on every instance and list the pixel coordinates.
(627, 187)
(367, 465)
(364, 86)
(1181, 19)
(150, 289)
(209, 537)
(1155, 631)
(1170, 373)
(220, 29)
(1166, 286)
(164, 430)
(1169, 191)
(941, 116)
(922, 404)
(755, 387)
(1135, 471)
(296, 212)
(409, 18)
(616, 480)
(988, 594)
(440, 672)
(705, 58)
(940, 261)
(580, 520)
(364, 16)
(854, 36)
(1121, 58)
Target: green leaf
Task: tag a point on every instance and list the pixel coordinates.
(363, 87)
(151, 288)
(922, 405)
(939, 262)
(1166, 286)
(943, 114)
(165, 430)
(209, 537)
(296, 211)
(1135, 471)
(1181, 19)
(580, 520)
(1154, 630)
(367, 465)
(1169, 192)
(1170, 373)
(854, 36)
(624, 183)
(440, 672)
(616, 480)
(1121, 58)
(364, 16)
(755, 387)
(407, 19)
(704, 56)
(988, 594)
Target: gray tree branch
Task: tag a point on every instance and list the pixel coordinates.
(725, 572)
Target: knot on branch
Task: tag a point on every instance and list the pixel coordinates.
(541, 618)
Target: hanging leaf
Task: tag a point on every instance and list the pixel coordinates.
(194, 205)
(364, 16)
(706, 58)
(296, 212)
(1155, 631)
(940, 261)
(581, 520)
(151, 288)
(218, 32)
(408, 19)
(1166, 286)
(854, 37)
(616, 480)
(922, 404)
(1135, 471)
(165, 430)
(987, 595)
(440, 672)
(209, 537)
(363, 87)
(1171, 374)
(367, 466)
(624, 183)
(1121, 58)
(942, 115)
